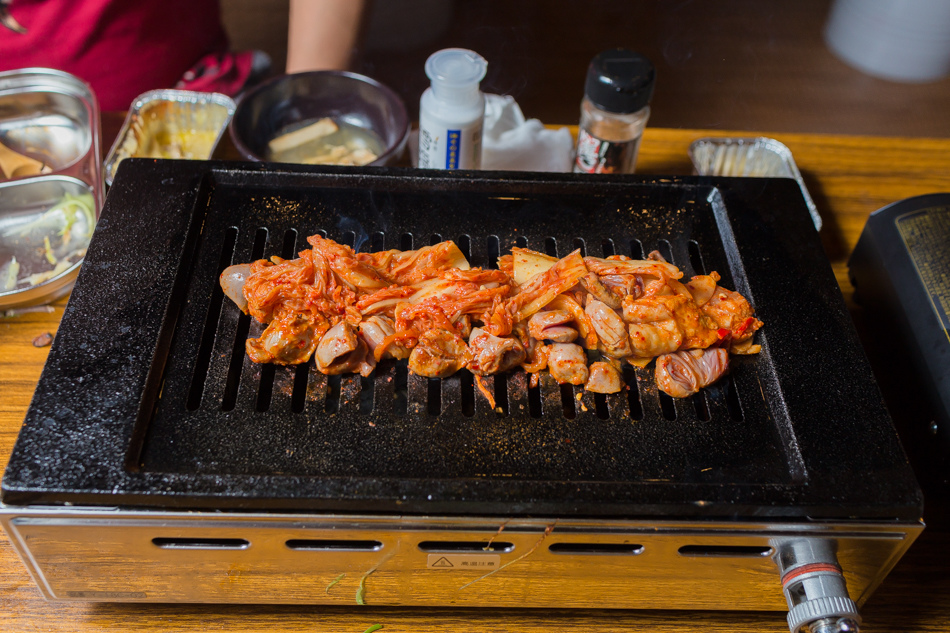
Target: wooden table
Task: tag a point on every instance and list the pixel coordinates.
(849, 177)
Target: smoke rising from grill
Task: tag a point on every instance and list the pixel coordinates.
(348, 224)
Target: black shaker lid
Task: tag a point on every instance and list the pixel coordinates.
(619, 80)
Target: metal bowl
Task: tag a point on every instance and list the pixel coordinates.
(51, 116)
(42, 240)
(288, 101)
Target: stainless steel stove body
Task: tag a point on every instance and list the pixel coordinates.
(105, 554)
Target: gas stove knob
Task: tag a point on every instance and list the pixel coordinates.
(814, 588)
(828, 614)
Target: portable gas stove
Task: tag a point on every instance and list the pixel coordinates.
(157, 463)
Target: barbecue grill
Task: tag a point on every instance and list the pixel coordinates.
(157, 463)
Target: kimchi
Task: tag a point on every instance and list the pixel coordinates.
(349, 311)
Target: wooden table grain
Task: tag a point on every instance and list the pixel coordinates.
(848, 177)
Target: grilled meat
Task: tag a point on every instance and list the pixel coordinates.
(568, 363)
(551, 325)
(350, 310)
(439, 353)
(604, 378)
(682, 374)
(493, 354)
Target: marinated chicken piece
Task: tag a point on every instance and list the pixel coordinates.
(367, 362)
(287, 340)
(232, 283)
(493, 354)
(375, 330)
(604, 378)
(732, 312)
(536, 356)
(610, 328)
(585, 329)
(659, 322)
(656, 287)
(623, 285)
(653, 330)
(550, 325)
(592, 284)
(567, 362)
(464, 326)
(684, 373)
(702, 287)
(536, 352)
(341, 351)
(439, 353)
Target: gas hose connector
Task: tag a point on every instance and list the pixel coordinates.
(815, 588)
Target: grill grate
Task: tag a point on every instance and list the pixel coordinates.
(387, 423)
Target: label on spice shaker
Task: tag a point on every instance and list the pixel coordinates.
(441, 148)
(597, 156)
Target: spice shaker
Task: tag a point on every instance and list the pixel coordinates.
(614, 111)
(452, 111)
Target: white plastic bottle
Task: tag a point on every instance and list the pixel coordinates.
(452, 111)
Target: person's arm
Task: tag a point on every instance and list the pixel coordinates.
(321, 34)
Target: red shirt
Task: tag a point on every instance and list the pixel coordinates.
(123, 48)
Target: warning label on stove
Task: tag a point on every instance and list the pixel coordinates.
(926, 234)
(483, 562)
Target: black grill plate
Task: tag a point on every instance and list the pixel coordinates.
(147, 398)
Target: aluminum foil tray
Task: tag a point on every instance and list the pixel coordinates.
(749, 157)
(171, 124)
